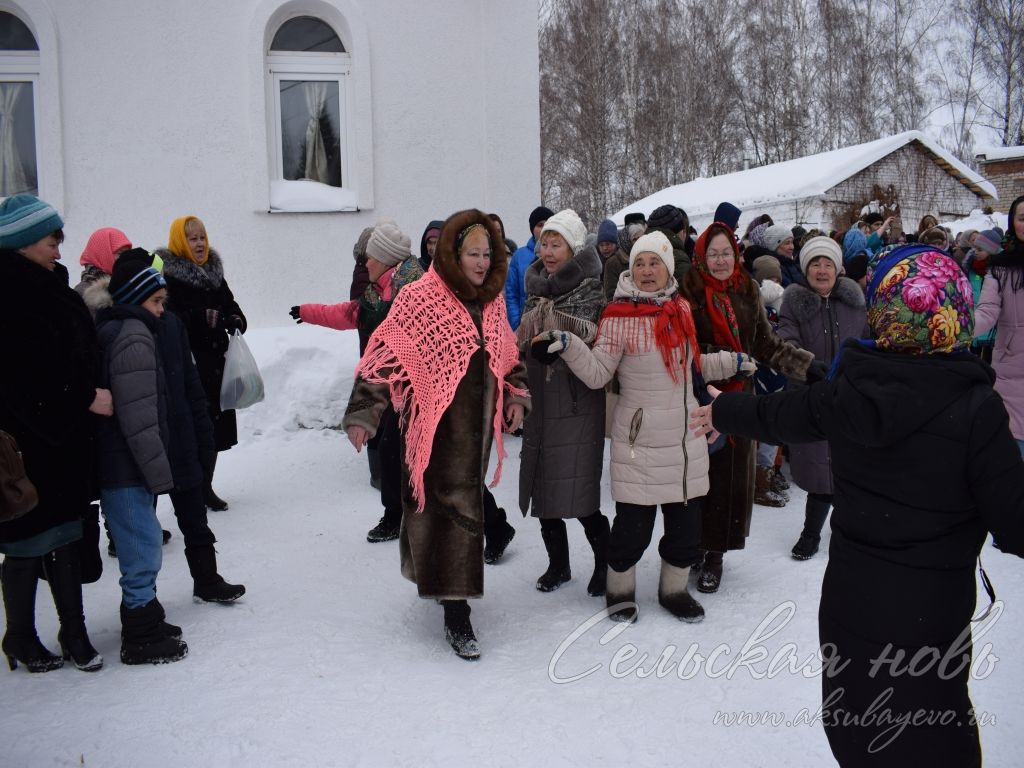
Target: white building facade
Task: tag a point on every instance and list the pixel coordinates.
(286, 125)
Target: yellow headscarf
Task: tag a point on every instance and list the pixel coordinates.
(177, 240)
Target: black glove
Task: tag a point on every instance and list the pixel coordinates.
(231, 323)
(539, 352)
(294, 312)
(816, 371)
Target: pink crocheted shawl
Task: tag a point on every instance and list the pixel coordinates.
(422, 351)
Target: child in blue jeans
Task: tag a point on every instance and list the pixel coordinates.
(134, 457)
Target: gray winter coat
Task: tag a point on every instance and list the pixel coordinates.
(820, 325)
(133, 448)
(563, 438)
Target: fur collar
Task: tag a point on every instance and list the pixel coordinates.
(446, 263)
(208, 277)
(805, 303)
(97, 294)
(585, 263)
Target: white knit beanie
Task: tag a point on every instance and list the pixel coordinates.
(656, 243)
(388, 244)
(821, 246)
(774, 235)
(568, 224)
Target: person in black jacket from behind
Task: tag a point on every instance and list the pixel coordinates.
(198, 293)
(191, 450)
(924, 467)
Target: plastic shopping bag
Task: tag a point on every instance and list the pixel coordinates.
(241, 385)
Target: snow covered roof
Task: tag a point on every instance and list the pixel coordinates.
(804, 177)
(1000, 153)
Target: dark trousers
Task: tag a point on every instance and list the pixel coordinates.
(815, 514)
(389, 449)
(634, 526)
(190, 510)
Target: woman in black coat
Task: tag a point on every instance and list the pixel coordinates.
(47, 394)
(924, 466)
(198, 293)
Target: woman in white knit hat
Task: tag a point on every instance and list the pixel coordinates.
(646, 337)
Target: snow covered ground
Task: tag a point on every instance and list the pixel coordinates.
(332, 660)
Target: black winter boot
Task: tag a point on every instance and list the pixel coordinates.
(710, 578)
(598, 530)
(19, 577)
(498, 533)
(387, 528)
(213, 501)
(556, 541)
(621, 595)
(64, 573)
(815, 515)
(458, 631)
(144, 639)
(208, 585)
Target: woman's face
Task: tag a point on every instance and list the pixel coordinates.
(195, 233)
(475, 257)
(786, 248)
(1018, 222)
(45, 252)
(554, 251)
(721, 259)
(821, 275)
(156, 302)
(649, 272)
(375, 269)
(928, 222)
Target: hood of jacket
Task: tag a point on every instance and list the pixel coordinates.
(424, 256)
(882, 397)
(446, 262)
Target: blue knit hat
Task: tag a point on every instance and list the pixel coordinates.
(607, 232)
(133, 280)
(25, 219)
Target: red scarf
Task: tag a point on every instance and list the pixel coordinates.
(673, 328)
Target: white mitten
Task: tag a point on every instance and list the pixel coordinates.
(721, 366)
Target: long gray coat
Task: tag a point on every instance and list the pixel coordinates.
(563, 438)
(820, 325)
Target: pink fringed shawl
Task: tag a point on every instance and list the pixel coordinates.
(422, 351)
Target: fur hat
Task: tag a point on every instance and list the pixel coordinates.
(568, 224)
(728, 214)
(25, 219)
(767, 268)
(656, 243)
(539, 214)
(821, 246)
(607, 232)
(133, 280)
(988, 241)
(388, 244)
(857, 267)
(667, 217)
(634, 218)
(775, 235)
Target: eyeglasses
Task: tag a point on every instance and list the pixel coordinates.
(720, 255)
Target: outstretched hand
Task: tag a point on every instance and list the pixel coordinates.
(700, 418)
(295, 312)
(357, 436)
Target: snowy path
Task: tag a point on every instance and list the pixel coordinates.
(332, 660)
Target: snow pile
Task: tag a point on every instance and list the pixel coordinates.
(331, 659)
(306, 196)
(977, 220)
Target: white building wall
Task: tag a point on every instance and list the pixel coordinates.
(162, 114)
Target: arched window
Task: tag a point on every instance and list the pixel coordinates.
(309, 68)
(19, 79)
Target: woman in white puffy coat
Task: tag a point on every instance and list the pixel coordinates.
(646, 336)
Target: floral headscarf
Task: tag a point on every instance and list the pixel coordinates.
(919, 302)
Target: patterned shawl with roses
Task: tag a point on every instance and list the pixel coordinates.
(919, 302)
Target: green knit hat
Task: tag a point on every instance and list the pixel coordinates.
(25, 219)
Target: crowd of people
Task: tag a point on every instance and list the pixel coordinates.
(849, 352)
(112, 394)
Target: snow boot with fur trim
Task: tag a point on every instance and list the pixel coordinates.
(458, 631)
(674, 595)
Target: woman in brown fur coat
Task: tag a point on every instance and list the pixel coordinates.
(447, 359)
(729, 315)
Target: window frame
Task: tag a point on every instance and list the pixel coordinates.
(24, 67)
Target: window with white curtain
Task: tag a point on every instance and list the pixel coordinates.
(19, 78)
(308, 68)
